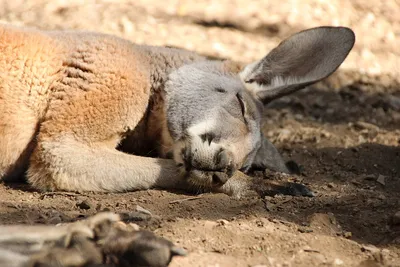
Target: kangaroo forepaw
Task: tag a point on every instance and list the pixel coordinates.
(294, 189)
(100, 240)
(265, 187)
(139, 248)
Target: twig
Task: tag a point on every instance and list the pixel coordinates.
(61, 193)
(185, 199)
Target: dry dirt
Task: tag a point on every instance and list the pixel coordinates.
(344, 132)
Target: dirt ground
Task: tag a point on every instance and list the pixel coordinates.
(344, 132)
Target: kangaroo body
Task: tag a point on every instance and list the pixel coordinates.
(87, 111)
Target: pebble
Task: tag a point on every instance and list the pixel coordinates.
(85, 205)
(331, 185)
(365, 125)
(134, 216)
(394, 102)
(139, 214)
(381, 197)
(338, 262)
(370, 177)
(305, 230)
(396, 218)
(381, 179)
(369, 248)
(348, 234)
(143, 210)
(222, 222)
(269, 206)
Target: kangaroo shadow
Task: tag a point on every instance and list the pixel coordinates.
(359, 185)
(346, 186)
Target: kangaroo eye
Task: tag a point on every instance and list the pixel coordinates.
(220, 90)
(242, 106)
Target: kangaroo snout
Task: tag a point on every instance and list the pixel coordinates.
(209, 162)
(218, 161)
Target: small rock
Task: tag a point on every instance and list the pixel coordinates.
(365, 125)
(369, 248)
(394, 102)
(348, 234)
(269, 198)
(331, 185)
(305, 230)
(370, 177)
(222, 222)
(142, 210)
(189, 208)
(338, 262)
(140, 214)
(396, 218)
(135, 216)
(269, 206)
(85, 205)
(381, 179)
(355, 182)
(381, 197)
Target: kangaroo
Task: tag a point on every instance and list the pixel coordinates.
(85, 111)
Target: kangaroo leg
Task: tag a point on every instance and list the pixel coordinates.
(66, 164)
(17, 130)
(91, 107)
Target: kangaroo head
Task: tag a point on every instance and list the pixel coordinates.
(214, 114)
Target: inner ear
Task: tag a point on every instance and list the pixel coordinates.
(300, 60)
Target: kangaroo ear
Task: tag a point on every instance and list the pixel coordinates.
(300, 60)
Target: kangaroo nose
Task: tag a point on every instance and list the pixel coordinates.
(219, 178)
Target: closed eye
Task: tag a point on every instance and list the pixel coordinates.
(242, 106)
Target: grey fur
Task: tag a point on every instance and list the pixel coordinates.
(204, 92)
(302, 59)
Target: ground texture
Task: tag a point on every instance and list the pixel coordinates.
(344, 132)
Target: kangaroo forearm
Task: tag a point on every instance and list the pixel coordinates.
(71, 165)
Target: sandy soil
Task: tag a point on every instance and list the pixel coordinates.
(344, 132)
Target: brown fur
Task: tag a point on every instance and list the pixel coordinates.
(69, 99)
